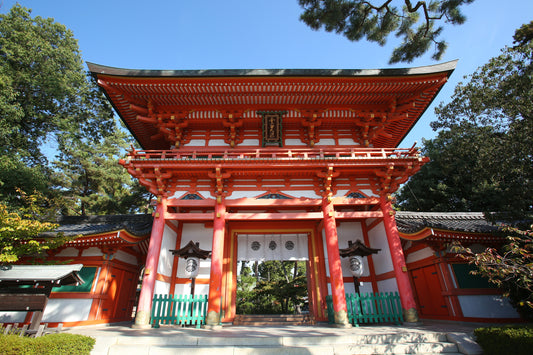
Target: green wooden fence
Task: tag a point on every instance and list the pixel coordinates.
(370, 308)
(179, 309)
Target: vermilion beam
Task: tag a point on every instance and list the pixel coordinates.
(398, 262)
(142, 318)
(217, 256)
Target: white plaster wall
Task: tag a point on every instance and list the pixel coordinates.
(93, 251)
(326, 141)
(366, 287)
(389, 285)
(68, 252)
(347, 141)
(487, 306)
(240, 194)
(217, 143)
(294, 142)
(161, 288)
(196, 143)
(185, 289)
(369, 193)
(419, 255)
(198, 233)
(125, 257)
(254, 142)
(350, 231)
(378, 240)
(12, 317)
(164, 266)
(67, 310)
(341, 193)
(304, 193)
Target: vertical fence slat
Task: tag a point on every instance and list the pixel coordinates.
(369, 308)
(179, 309)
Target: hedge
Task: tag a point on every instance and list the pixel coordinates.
(512, 340)
(51, 344)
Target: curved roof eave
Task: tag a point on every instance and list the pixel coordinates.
(97, 69)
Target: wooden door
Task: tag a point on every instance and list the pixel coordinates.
(428, 291)
(124, 304)
(111, 294)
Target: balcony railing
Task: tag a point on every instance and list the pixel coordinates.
(275, 154)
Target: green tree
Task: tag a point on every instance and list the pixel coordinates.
(90, 180)
(19, 230)
(416, 22)
(481, 158)
(276, 287)
(41, 74)
(246, 297)
(47, 97)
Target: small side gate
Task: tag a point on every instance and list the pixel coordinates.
(179, 309)
(370, 308)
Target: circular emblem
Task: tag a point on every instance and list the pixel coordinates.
(256, 245)
(289, 245)
(272, 245)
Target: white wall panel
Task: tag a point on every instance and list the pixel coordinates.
(254, 142)
(217, 143)
(487, 306)
(161, 288)
(294, 142)
(12, 317)
(67, 310)
(326, 141)
(93, 251)
(389, 285)
(419, 255)
(68, 252)
(185, 289)
(378, 240)
(125, 257)
(164, 266)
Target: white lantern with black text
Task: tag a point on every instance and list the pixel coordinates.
(192, 267)
(356, 266)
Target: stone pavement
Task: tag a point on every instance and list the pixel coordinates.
(425, 338)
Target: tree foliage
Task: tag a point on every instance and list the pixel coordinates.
(49, 103)
(416, 22)
(18, 230)
(481, 157)
(274, 287)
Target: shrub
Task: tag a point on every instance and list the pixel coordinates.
(513, 340)
(52, 344)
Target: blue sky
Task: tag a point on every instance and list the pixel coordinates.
(232, 34)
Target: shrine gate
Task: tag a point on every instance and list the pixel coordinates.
(304, 154)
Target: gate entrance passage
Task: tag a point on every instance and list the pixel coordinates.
(272, 274)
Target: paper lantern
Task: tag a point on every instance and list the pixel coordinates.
(356, 266)
(192, 267)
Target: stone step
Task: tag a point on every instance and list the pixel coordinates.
(391, 343)
(272, 319)
(364, 349)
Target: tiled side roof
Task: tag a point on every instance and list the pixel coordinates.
(475, 222)
(408, 222)
(135, 224)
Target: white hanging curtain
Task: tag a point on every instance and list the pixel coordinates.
(263, 247)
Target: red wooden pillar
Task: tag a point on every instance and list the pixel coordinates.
(142, 317)
(334, 262)
(398, 262)
(217, 256)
